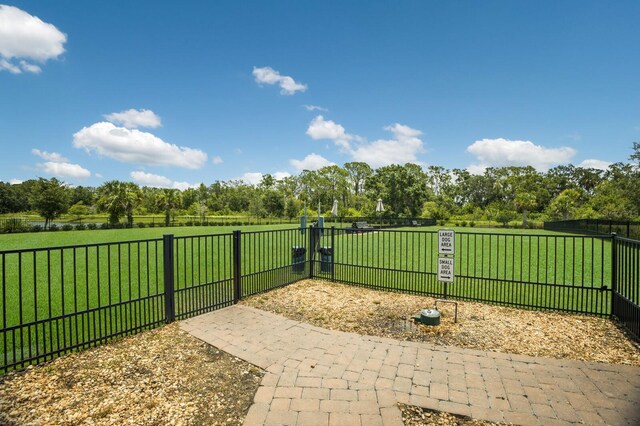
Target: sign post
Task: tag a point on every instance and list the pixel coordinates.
(446, 250)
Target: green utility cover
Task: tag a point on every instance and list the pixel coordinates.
(430, 317)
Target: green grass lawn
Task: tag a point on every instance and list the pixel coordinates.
(65, 238)
(105, 282)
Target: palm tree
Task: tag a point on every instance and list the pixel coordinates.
(118, 199)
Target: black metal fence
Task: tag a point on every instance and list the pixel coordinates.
(626, 279)
(563, 273)
(624, 228)
(55, 300)
(59, 299)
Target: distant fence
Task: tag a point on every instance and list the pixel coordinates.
(21, 224)
(58, 299)
(623, 228)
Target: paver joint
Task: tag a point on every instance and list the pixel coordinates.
(324, 377)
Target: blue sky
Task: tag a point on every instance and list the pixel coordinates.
(176, 93)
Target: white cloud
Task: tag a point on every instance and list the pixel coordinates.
(251, 178)
(476, 169)
(314, 108)
(149, 179)
(403, 148)
(503, 152)
(595, 164)
(267, 75)
(311, 162)
(49, 156)
(158, 181)
(134, 118)
(25, 38)
(319, 128)
(15, 181)
(135, 146)
(58, 165)
(64, 170)
(216, 160)
(281, 175)
(184, 185)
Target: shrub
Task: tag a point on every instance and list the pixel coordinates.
(472, 224)
(141, 224)
(105, 226)
(463, 223)
(36, 228)
(188, 223)
(67, 227)
(53, 227)
(92, 226)
(81, 227)
(152, 224)
(197, 224)
(441, 222)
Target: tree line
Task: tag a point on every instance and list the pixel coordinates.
(499, 194)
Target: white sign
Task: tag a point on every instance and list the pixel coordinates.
(445, 269)
(446, 240)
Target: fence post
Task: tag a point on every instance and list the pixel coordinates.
(237, 277)
(614, 272)
(169, 293)
(312, 249)
(333, 254)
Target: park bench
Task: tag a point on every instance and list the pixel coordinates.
(357, 227)
(414, 223)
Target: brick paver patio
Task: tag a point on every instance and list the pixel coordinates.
(317, 376)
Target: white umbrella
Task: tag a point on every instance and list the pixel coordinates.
(334, 210)
(379, 206)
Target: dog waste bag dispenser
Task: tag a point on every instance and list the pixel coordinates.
(297, 258)
(326, 259)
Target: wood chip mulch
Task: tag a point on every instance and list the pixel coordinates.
(158, 377)
(480, 326)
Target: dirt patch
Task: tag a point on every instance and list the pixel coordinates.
(480, 326)
(158, 377)
(416, 416)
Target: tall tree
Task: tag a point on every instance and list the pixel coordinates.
(119, 199)
(51, 199)
(403, 189)
(565, 204)
(358, 172)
